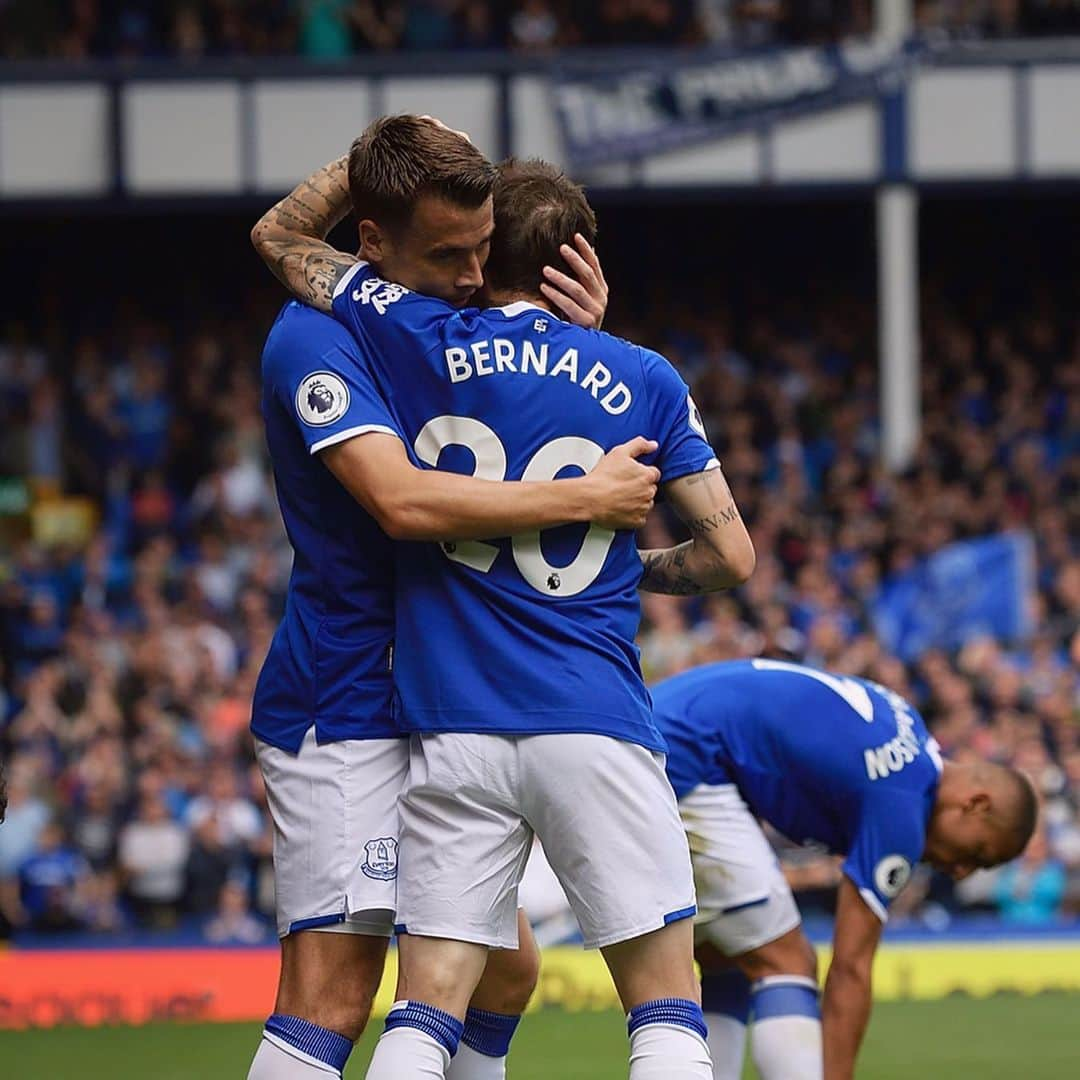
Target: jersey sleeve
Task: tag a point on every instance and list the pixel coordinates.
(889, 842)
(675, 422)
(323, 378)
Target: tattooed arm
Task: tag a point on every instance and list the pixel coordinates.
(290, 236)
(720, 554)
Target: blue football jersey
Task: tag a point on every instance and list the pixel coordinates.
(533, 633)
(329, 663)
(826, 758)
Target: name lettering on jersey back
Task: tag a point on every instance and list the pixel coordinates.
(500, 356)
(891, 757)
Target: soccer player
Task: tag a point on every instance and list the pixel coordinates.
(826, 758)
(514, 658)
(326, 741)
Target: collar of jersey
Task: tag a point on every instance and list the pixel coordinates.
(519, 307)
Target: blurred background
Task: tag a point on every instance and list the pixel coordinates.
(852, 226)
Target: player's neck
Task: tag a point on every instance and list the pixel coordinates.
(950, 785)
(501, 298)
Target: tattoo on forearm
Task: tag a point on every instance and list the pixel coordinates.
(728, 516)
(665, 572)
(311, 271)
(290, 237)
(287, 217)
(319, 202)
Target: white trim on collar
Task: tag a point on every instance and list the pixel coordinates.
(519, 307)
(343, 284)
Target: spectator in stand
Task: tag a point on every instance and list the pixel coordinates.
(188, 35)
(145, 414)
(226, 829)
(429, 25)
(44, 436)
(1030, 890)
(480, 26)
(25, 822)
(378, 24)
(100, 909)
(326, 28)
(235, 923)
(534, 27)
(668, 644)
(51, 883)
(209, 866)
(27, 813)
(94, 823)
(153, 852)
(41, 634)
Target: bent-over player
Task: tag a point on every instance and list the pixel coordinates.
(826, 758)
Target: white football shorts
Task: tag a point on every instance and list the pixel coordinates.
(602, 808)
(744, 900)
(335, 832)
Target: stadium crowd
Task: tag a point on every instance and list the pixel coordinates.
(191, 30)
(135, 612)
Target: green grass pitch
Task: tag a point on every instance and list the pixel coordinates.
(1002, 1038)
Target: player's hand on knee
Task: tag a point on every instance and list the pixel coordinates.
(583, 299)
(625, 488)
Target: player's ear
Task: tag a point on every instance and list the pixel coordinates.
(979, 803)
(373, 241)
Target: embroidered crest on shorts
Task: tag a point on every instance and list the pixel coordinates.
(380, 859)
